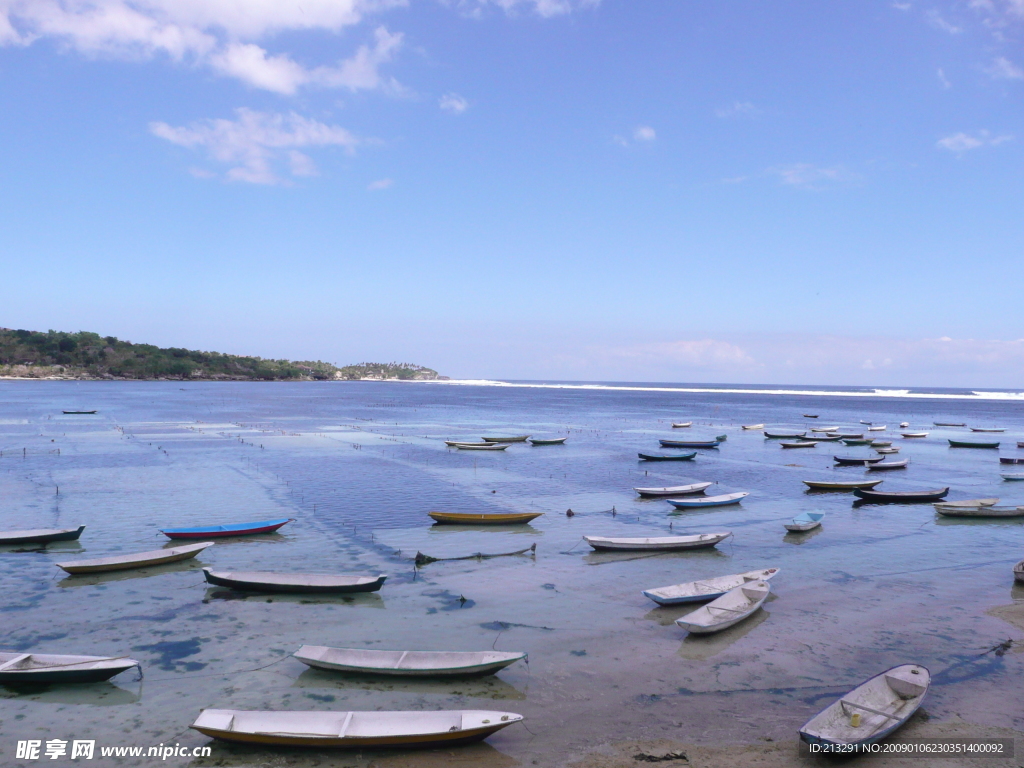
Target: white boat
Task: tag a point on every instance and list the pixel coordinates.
(881, 443)
(877, 429)
(904, 424)
(353, 729)
(914, 434)
(1007, 511)
(805, 521)
(681, 424)
(706, 589)
(887, 450)
(800, 444)
(42, 668)
(987, 429)
(883, 465)
(1012, 475)
(709, 501)
(729, 609)
(872, 710)
(968, 503)
(135, 560)
(406, 663)
(484, 447)
(824, 429)
(658, 543)
(1018, 572)
(453, 443)
(673, 490)
(753, 426)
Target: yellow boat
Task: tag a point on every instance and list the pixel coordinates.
(498, 518)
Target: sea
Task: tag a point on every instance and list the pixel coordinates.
(358, 465)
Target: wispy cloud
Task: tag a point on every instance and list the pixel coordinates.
(901, 6)
(738, 109)
(810, 176)
(257, 144)
(452, 102)
(380, 184)
(963, 142)
(699, 353)
(644, 133)
(543, 8)
(936, 20)
(1004, 69)
(943, 80)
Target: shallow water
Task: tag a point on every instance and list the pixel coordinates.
(359, 464)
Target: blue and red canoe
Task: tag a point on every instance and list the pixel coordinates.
(236, 529)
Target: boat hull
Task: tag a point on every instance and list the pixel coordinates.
(142, 560)
(689, 443)
(823, 486)
(972, 444)
(510, 439)
(65, 669)
(709, 501)
(899, 498)
(679, 490)
(41, 536)
(224, 531)
(662, 544)
(664, 596)
(656, 457)
(464, 670)
(460, 518)
(256, 585)
(555, 441)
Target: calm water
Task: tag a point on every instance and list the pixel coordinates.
(359, 464)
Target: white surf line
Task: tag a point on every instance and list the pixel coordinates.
(895, 393)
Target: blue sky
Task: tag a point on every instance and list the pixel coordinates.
(797, 192)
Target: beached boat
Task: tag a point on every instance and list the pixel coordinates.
(663, 457)
(689, 443)
(1020, 443)
(988, 429)
(135, 560)
(901, 496)
(41, 668)
(872, 710)
(40, 535)
(268, 581)
(783, 435)
(810, 415)
(548, 440)
(824, 429)
(856, 460)
(850, 435)
(904, 424)
(913, 434)
(507, 439)
(706, 589)
(887, 449)
(220, 531)
(1018, 572)
(729, 609)
(805, 521)
(968, 503)
(1011, 459)
(980, 511)
(359, 730)
(673, 490)
(856, 441)
(826, 438)
(406, 663)
(949, 423)
(752, 426)
(708, 501)
(865, 422)
(1012, 475)
(881, 443)
(484, 447)
(800, 444)
(877, 429)
(657, 543)
(489, 518)
(880, 466)
(681, 424)
(453, 443)
(78, 413)
(850, 485)
(973, 444)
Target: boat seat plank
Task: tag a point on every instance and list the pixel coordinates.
(847, 703)
(398, 664)
(344, 725)
(221, 721)
(16, 660)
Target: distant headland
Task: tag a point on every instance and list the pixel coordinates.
(84, 355)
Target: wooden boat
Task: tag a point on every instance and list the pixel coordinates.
(805, 521)
(800, 444)
(881, 443)
(988, 429)
(824, 429)
(658, 543)
(708, 501)
(135, 560)
(79, 413)
(949, 423)
(881, 466)
(865, 422)
(973, 444)
(826, 438)
(900, 497)
(810, 415)
(490, 518)
(856, 460)
(887, 449)
(1012, 475)
(41, 668)
(220, 531)
(406, 663)
(442, 728)
(872, 710)
(904, 424)
(673, 490)
(980, 511)
(706, 589)
(914, 434)
(752, 426)
(729, 609)
(267, 581)
(1011, 459)
(1020, 444)
(841, 486)
(850, 435)
(40, 535)
(1018, 572)
(968, 503)
(453, 443)
(663, 457)
(784, 435)
(484, 447)
(877, 429)
(682, 424)
(508, 439)
(548, 441)
(689, 443)
(856, 441)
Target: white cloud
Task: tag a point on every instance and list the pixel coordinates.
(257, 142)
(937, 21)
(701, 353)
(1004, 69)
(452, 102)
(543, 8)
(811, 176)
(644, 133)
(220, 34)
(376, 186)
(901, 6)
(738, 109)
(943, 80)
(962, 142)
